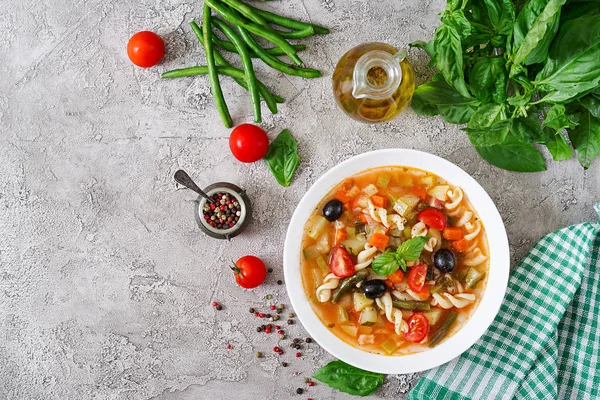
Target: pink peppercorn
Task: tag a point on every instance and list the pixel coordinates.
(272, 307)
(311, 383)
(267, 330)
(229, 347)
(298, 354)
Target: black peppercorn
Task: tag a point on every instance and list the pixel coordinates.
(252, 310)
(219, 307)
(290, 322)
(279, 282)
(299, 390)
(308, 340)
(284, 364)
(259, 329)
(270, 270)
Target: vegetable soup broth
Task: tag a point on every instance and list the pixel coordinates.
(466, 282)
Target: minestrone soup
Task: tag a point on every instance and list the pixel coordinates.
(395, 260)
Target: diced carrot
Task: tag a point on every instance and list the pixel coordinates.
(460, 245)
(340, 234)
(396, 277)
(342, 196)
(389, 283)
(419, 191)
(451, 233)
(379, 240)
(363, 218)
(379, 201)
(347, 206)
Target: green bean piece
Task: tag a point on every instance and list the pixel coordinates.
(306, 32)
(236, 19)
(347, 283)
(443, 283)
(240, 45)
(288, 22)
(274, 51)
(248, 12)
(213, 76)
(274, 62)
(445, 326)
(411, 305)
(270, 98)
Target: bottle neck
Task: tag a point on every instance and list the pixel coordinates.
(377, 75)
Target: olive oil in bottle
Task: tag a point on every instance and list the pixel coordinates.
(373, 82)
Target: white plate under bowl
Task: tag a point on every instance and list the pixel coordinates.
(476, 325)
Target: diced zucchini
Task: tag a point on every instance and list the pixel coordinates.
(361, 302)
(317, 226)
(473, 278)
(389, 346)
(366, 339)
(365, 330)
(351, 232)
(355, 245)
(428, 181)
(323, 243)
(439, 192)
(343, 315)
(317, 276)
(322, 264)
(383, 181)
(368, 316)
(434, 315)
(311, 253)
(405, 204)
(350, 329)
(370, 190)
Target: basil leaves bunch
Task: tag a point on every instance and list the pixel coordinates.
(389, 262)
(504, 68)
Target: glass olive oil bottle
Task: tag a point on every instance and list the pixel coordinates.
(373, 82)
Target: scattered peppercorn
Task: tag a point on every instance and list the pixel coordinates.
(291, 315)
(311, 383)
(281, 335)
(269, 270)
(299, 390)
(251, 310)
(275, 317)
(284, 364)
(280, 332)
(279, 282)
(308, 340)
(306, 380)
(259, 329)
(277, 327)
(214, 304)
(261, 315)
(219, 307)
(269, 297)
(229, 347)
(298, 354)
(272, 307)
(290, 322)
(268, 330)
(276, 349)
(296, 340)
(269, 326)
(258, 354)
(267, 315)
(256, 314)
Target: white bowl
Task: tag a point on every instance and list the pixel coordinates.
(479, 321)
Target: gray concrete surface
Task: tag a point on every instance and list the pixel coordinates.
(106, 282)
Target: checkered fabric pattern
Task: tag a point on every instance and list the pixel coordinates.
(545, 341)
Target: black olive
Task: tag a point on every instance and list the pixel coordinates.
(333, 210)
(444, 260)
(374, 288)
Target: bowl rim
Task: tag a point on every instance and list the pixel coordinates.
(474, 327)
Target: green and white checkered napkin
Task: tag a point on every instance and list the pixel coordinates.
(545, 341)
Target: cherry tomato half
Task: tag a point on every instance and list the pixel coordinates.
(418, 326)
(248, 143)
(416, 277)
(341, 263)
(433, 217)
(145, 49)
(249, 272)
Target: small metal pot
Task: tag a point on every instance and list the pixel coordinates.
(245, 210)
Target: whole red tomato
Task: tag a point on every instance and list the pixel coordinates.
(248, 143)
(145, 49)
(249, 272)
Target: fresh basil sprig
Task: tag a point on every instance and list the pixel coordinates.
(346, 378)
(390, 261)
(503, 69)
(282, 157)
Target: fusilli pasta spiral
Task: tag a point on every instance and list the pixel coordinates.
(380, 214)
(446, 300)
(365, 257)
(330, 283)
(392, 314)
(453, 206)
(435, 238)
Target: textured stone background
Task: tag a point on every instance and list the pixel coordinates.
(106, 282)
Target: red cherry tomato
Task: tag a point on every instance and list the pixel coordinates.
(248, 143)
(418, 326)
(145, 49)
(433, 218)
(341, 263)
(416, 277)
(249, 272)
